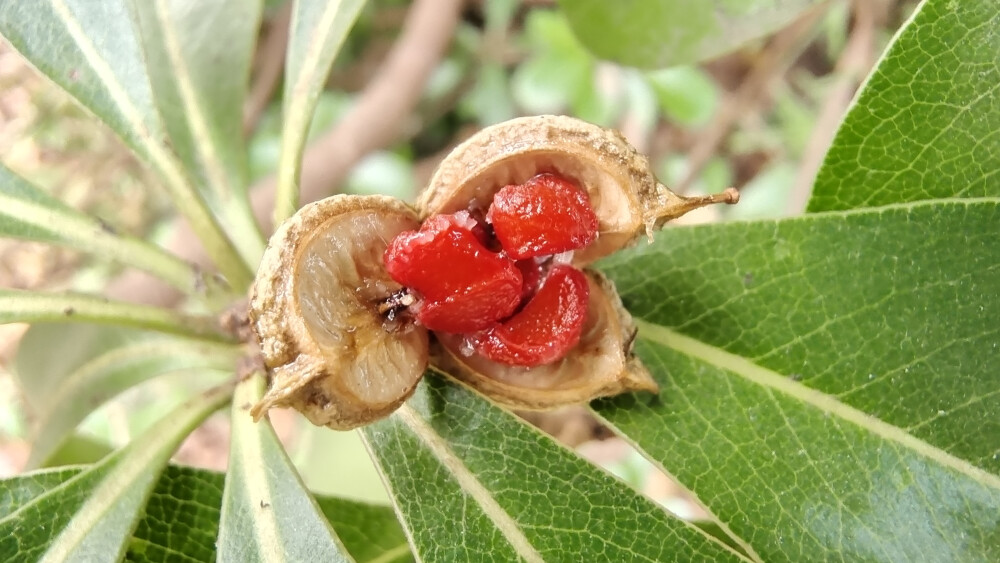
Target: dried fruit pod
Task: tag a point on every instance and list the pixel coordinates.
(320, 299)
(601, 364)
(315, 306)
(624, 192)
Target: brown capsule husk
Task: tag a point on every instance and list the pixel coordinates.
(600, 365)
(314, 305)
(316, 302)
(626, 196)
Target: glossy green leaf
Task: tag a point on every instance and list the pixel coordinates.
(266, 511)
(827, 381)
(27, 212)
(91, 50)
(90, 385)
(661, 33)
(319, 28)
(181, 518)
(198, 58)
(474, 483)
(927, 123)
(90, 516)
(21, 306)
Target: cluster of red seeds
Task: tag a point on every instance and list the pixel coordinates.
(502, 289)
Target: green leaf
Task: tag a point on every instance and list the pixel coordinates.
(319, 28)
(90, 516)
(91, 384)
(40, 372)
(79, 449)
(686, 94)
(266, 511)
(661, 33)
(558, 71)
(827, 382)
(370, 532)
(90, 49)
(20, 306)
(490, 100)
(181, 518)
(317, 449)
(472, 482)
(17, 491)
(927, 123)
(546, 83)
(31, 214)
(198, 58)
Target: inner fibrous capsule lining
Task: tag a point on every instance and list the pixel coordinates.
(614, 207)
(340, 280)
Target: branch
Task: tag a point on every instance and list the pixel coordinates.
(379, 115)
(780, 54)
(854, 63)
(270, 66)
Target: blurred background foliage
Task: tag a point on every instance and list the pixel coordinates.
(759, 118)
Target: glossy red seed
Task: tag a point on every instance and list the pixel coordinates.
(548, 326)
(548, 214)
(463, 286)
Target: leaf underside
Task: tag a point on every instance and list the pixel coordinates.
(90, 515)
(181, 519)
(266, 510)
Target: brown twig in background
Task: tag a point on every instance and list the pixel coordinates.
(377, 119)
(777, 57)
(854, 63)
(270, 65)
(379, 116)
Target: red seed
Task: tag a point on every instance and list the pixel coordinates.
(532, 273)
(545, 215)
(548, 326)
(464, 287)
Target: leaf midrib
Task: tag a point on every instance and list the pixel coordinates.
(392, 554)
(469, 483)
(185, 197)
(195, 112)
(250, 453)
(214, 356)
(779, 383)
(127, 466)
